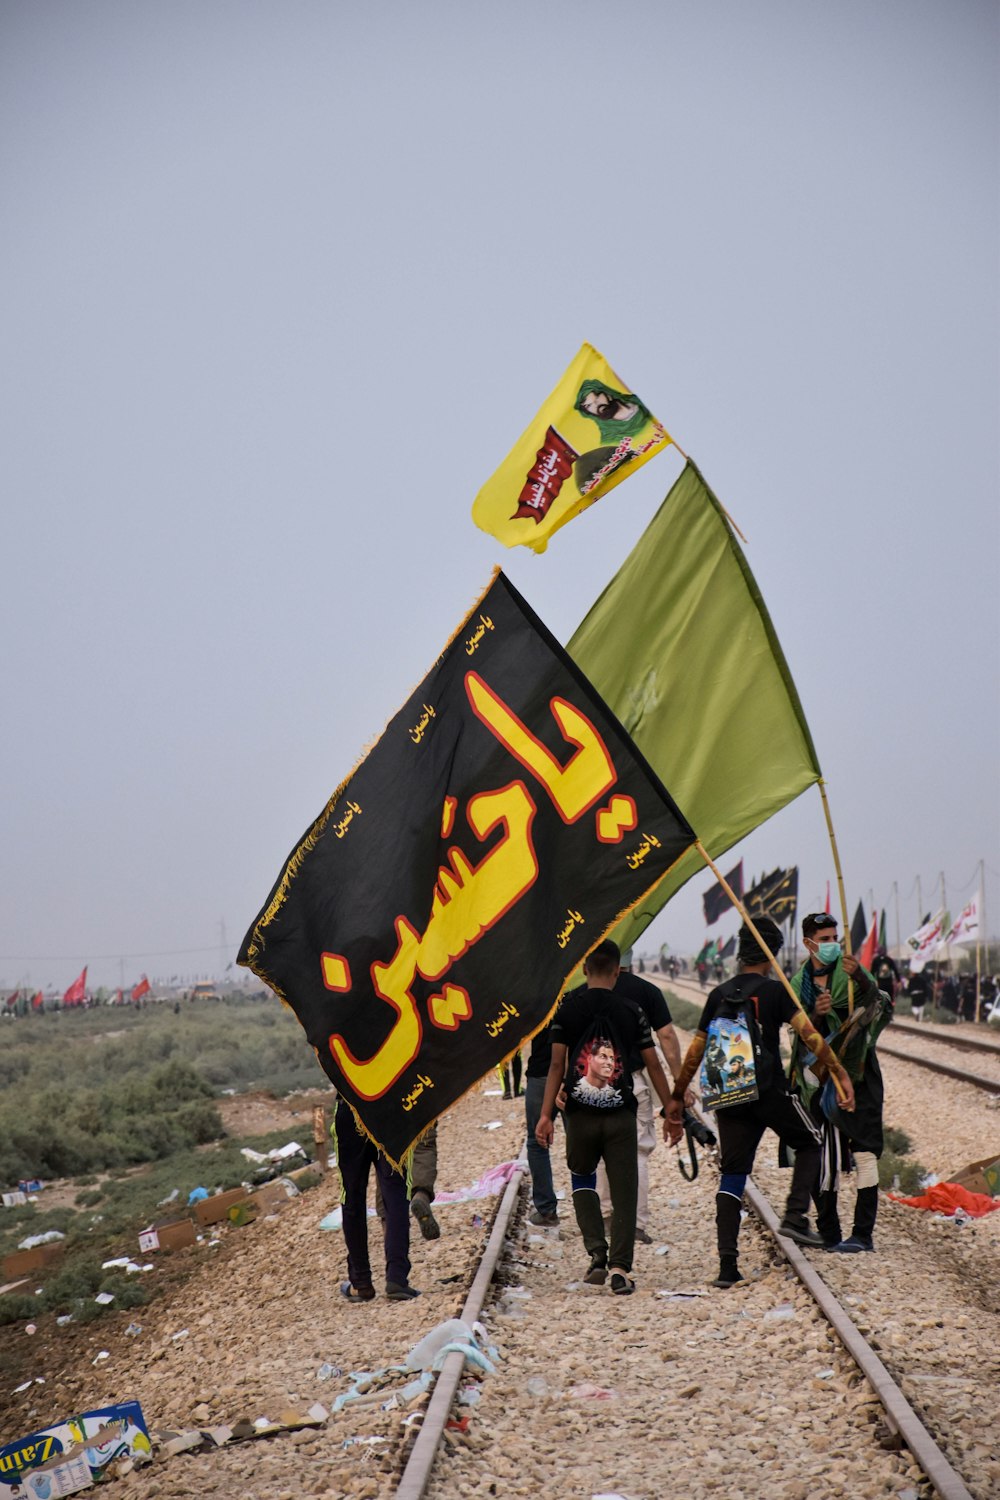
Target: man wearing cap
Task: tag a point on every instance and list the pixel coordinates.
(741, 1126)
(852, 1023)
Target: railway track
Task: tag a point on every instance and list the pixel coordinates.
(963, 1043)
(693, 993)
(427, 1464)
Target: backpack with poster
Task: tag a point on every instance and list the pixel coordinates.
(733, 1067)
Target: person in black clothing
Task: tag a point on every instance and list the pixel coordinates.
(741, 1126)
(916, 989)
(600, 1110)
(545, 1208)
(886, 974)
(652, 1001)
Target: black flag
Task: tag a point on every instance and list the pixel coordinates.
(428, 920)
(716, 901)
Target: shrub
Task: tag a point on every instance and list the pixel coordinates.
(16, 1307)
(897, 1141)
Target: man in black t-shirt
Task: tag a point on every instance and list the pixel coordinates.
(916, 989)
(594, 1036)
(652, 1001)
(741, 1126)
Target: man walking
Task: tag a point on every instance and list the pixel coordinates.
(852, 1024)
(742, 1124)
(593, 1035)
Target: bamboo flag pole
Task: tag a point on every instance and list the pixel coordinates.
(779, 971)
(845, 925)
(725, 512)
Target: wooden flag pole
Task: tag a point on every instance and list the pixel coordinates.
(779, 971)
(845, 925)
(725, 512)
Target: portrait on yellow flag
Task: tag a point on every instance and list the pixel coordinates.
(591, 433)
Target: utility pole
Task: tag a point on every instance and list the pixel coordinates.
(895, 892)
(223, 946)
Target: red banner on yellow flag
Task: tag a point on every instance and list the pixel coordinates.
(590, 434)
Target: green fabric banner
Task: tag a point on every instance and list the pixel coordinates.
(681, 647)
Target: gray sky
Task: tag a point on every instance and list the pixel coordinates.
(282, 284)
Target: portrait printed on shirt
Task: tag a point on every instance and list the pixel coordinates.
(596, 1073)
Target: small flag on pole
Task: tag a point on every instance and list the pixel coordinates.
(591, 433)
(715, 900)
(965, 928)
(77, 992)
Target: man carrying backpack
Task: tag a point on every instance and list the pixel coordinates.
(594, 1035)
(743, 1018)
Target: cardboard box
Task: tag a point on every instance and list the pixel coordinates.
(173, 1235)
(273, 1195)
(23, 1262)
(74, 1454)
(214, 1210)
(980, 1176)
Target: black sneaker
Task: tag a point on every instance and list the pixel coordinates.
(597, 1275)
(643, 1237)
(396, 1293)
(421, 1210)
(622, 1286)
(852, 1245)
(799, 1231)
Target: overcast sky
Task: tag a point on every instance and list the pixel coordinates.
(282, 283)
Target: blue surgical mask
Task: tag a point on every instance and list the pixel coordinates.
(828, 953)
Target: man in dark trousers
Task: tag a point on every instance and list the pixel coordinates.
(847, 1006)
(594, 1035)
(356, 1155)
(741, 1126)
(652, 1001)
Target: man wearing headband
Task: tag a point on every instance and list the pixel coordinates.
(741, 1126)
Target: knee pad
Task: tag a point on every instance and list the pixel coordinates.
(583, 1182)
(733, 1183)
(866, 1167)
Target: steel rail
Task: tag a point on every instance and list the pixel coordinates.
(416, 1475)
(902, 1418)
(991, 1085)
(964, 1043)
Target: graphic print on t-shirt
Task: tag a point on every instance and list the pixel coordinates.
(728, 1072)
(596, 1074)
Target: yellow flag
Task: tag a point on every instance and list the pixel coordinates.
(591, 433)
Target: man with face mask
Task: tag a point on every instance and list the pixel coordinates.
(852, 1027)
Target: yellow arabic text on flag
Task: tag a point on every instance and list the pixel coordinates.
(589, 435)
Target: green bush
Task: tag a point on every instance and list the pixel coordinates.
(909, 1172)
(897, 1141)
(17, 1307)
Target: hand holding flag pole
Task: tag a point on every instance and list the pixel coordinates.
(779, 971)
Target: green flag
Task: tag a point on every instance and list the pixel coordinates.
(681, 647)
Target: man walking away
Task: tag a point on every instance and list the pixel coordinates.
(745, 1016)
(593, 1034)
